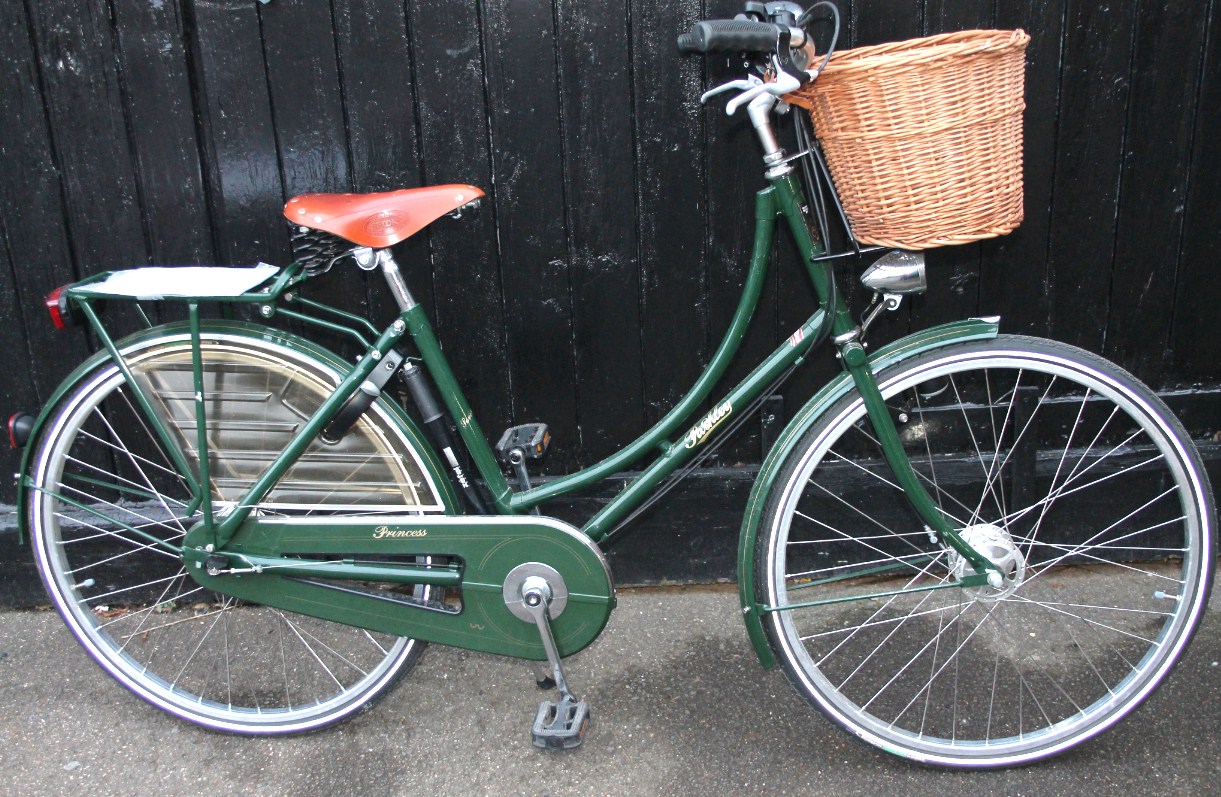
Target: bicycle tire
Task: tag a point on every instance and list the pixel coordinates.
(1056, 465)
(100, 474)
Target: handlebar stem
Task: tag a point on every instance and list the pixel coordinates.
(760, 112)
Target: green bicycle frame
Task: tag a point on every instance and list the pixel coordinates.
(675, 439)
(783, 198)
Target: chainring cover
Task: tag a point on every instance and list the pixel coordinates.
(479, 554)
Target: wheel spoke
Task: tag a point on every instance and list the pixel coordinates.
(911, 661)
(136, 463)
(938, 492)
(989, 490)
(109, 513)
(119, 449)
(1091, 543)
(131, 546)
(134, 587)
(870, 623)
(151, 609)
(215, 615)
(1100, 625)
(312, 652)
(1063, 490)
(154, 440)
(1054, 467)
(885, 556)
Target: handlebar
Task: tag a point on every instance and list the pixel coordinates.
(783, 38)
(730, 34)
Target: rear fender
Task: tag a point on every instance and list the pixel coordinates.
(143, 338)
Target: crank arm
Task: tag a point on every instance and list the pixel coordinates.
(559, 724)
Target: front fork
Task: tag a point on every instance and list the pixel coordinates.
(793, 205)
(856, 363)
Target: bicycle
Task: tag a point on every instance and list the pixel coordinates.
(243, 529)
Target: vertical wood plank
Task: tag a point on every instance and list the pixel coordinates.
(34, 218)
(671, 182)
(1165, 84)
(953, 270)
(796, 297)
(1016, 275)
(735, 174)
(378, 94)
(17, 392)
(528, 192)
(156, 83)
(596, 94)
(882, 21)
(454, 145)
(80, 77)
(378, 90)
(1089, 151)
(243, 174)
(879, 22)
(303, 79)
(1195, 346)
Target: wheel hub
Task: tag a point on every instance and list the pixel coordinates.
(994, 544)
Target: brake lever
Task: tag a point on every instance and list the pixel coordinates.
(783, 84)
(738, 85)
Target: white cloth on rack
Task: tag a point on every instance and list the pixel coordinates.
(156, 282)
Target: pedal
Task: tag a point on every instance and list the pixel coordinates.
(560, 724)
(531, 439)
(536, 593)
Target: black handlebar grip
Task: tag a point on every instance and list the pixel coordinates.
(729, 34)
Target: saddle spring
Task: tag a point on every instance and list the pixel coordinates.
(317, 250)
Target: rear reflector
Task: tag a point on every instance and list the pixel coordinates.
(19, 428)
(57, 306)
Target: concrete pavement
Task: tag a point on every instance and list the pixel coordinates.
(680, 707)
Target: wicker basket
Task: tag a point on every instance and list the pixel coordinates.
(924, 137)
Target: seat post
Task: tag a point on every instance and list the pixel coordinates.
(371, 258)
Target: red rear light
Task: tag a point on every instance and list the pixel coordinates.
(19, 428)
(57, 306)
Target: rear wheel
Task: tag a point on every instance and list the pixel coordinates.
(1061, 469)
(109, 509)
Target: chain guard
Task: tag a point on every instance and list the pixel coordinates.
(276, 562)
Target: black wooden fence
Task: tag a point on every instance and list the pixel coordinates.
(590, 289)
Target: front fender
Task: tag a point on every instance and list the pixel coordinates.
(238, 328)
(896, 352)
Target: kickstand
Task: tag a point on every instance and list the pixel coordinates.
(542, 678)
(559, 724)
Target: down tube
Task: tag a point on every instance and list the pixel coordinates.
(790, 353)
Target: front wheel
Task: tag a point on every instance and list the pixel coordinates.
(1058, 467)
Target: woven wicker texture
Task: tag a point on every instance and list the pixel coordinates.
(924, 137)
